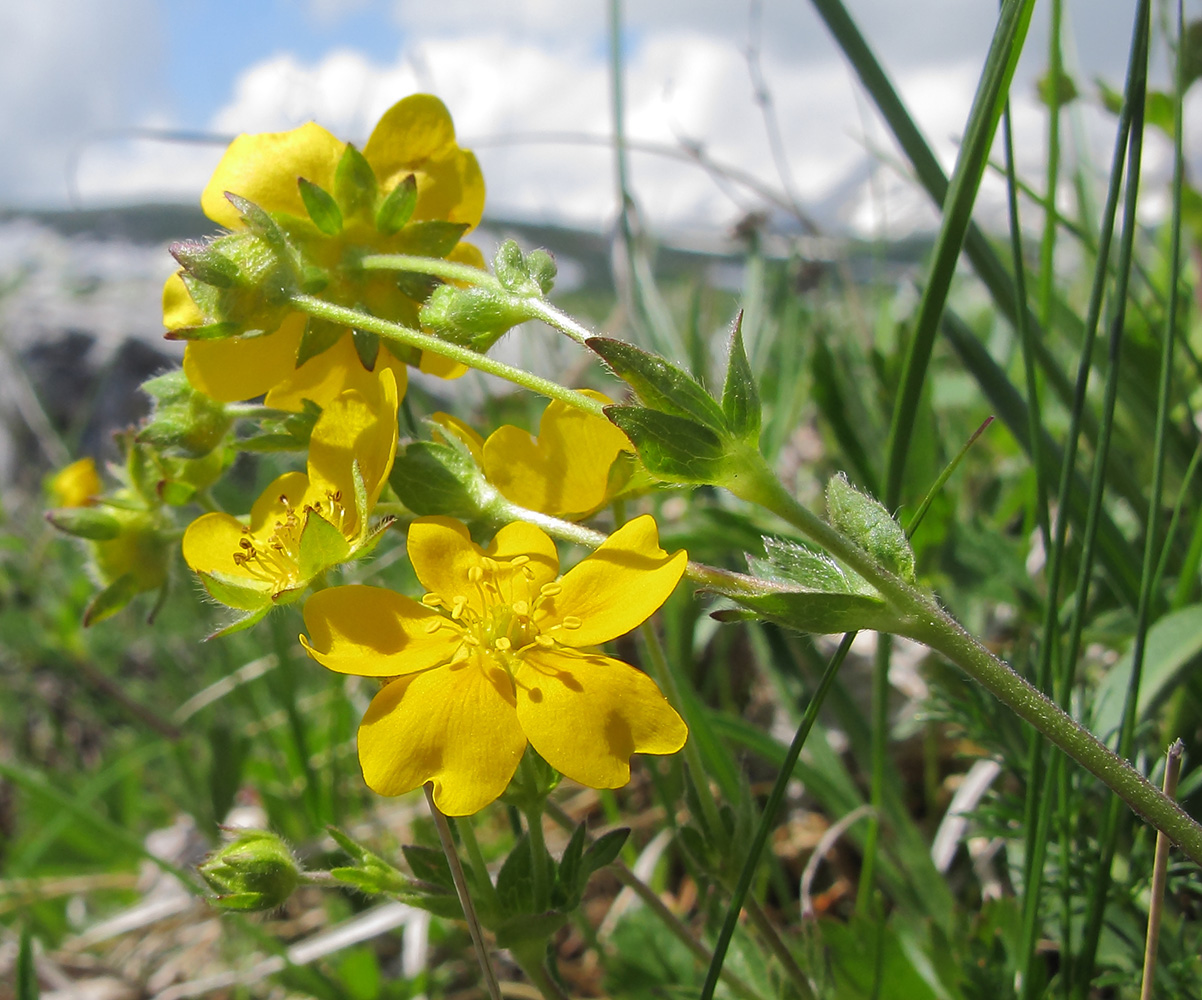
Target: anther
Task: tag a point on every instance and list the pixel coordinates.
(545, 641)
(521, 608)
(432, 600)
(458, 606)
(475, 574)
(550, 590)
(571, 622)
(433, 625)
(503, 645)
(519, 560)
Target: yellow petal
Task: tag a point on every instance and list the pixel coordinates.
(374, 632)
(465, 433)
(442, 552)
(76, 485)
(564, 472)
(324, 377)
(210, 543)
(586, 714)
(179, 310)
(416, 136)
(287, 491)
(615, 589)
(522, 539)
(455, 726)
(244, 367)
(357, 427)
(264, 168)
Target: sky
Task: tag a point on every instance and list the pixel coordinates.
(89, 88)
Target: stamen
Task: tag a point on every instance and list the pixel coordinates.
(521, 608)
(550, 590)
(458, 607)
(475, 574)
(519, 560)
(433, 600)
(503, 645)
(571, 622)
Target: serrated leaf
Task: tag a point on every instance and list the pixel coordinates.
(740, 398)
(432, 478)
(672, 448)
(814, 613)
(354, 184)
(804, 568)
(660, 384)
(428, 865)
(863, 519)
(515, 881)
(367, 346)
(603, 850)
(319, 336)
(397, 209)
(321, 206)
(111, 599)
(321, 546)
(430, 237)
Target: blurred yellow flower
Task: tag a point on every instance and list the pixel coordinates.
(567, 470)
(495, 655)
(415, 137)
(76, 485)
(303, 524)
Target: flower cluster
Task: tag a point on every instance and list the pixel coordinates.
(500, 653)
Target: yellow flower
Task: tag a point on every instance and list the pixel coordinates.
(495, 655)
(567, 471)
(76, 485)
(303, 524)
(415, 137)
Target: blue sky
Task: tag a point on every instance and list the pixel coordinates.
(76, 76)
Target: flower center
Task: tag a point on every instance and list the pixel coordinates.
(272, 553)
(501, 621)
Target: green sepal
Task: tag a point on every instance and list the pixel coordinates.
(815, 613)
(355, 184)
(367, 346)
(205, 263)
(869, 525)
(397, 209)
(94, 523)
(543, 269)
(184, 422)
(432, 478)
(239, 624)
(417, 287)
(291, 432)
(319, 336)
(321, 546)
(740, 398)
(261, 224)
(362, 511)
(371, 873)
(235, 592)
(472, 317)
(321, 206)
(429, 238)
(111, 599)
(222, 330)
(671, 447)
(659, 384)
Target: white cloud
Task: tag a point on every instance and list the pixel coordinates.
(68, 70)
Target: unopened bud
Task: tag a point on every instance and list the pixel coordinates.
(255, 872)
(472, 317)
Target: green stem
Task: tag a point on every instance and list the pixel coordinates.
(415, 338)
(927, 622)
(436, 267)
(531, 963)
(533, 808)
(467, 833)
(465, 899)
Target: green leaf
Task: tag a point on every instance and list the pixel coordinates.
(660, 384)
(740, 398)
(111, 599)
(603, 850)
(352, 847)
(319, 336)
(529, 928)
(571, 874)
(515, 881)
(429, 238)
(1173, 645)
(870, 526)
(321, 206)
(321, 546)
(367, 346)
(94, 523)
(673, 448)
(397, 209)
(802, 567)
(432, 478)
(355, 184)
(812, 612)
(429, 865)
(26, 971)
